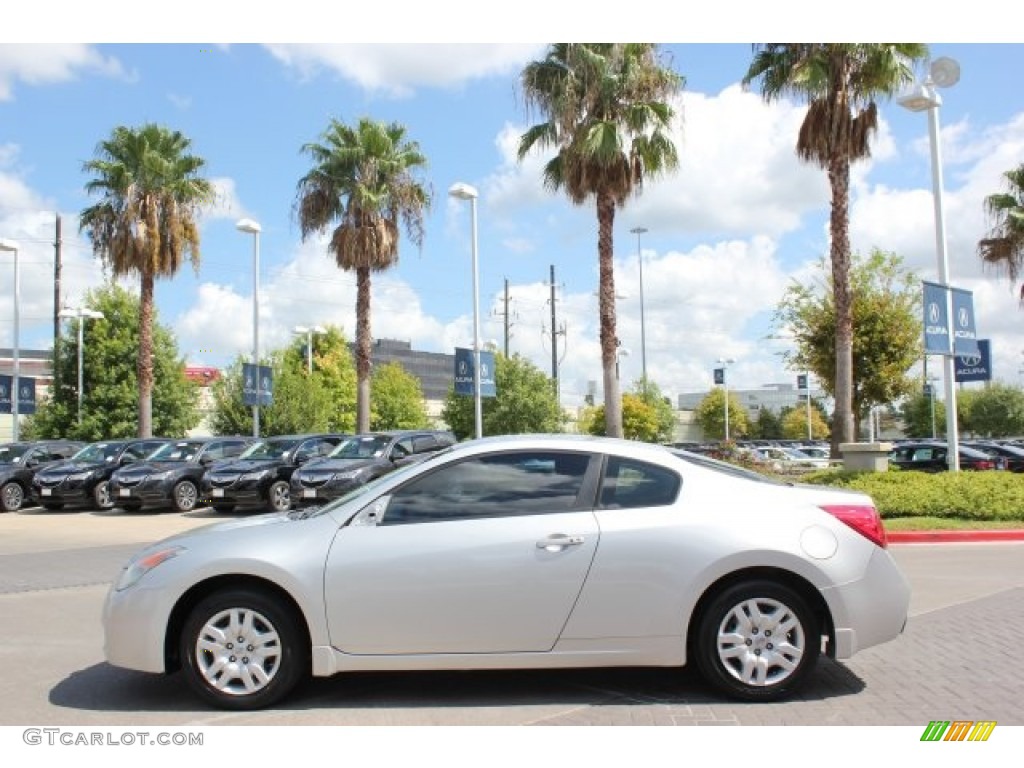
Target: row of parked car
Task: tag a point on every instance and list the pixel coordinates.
(273, 473)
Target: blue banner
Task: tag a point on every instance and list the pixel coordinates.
(26, 395)
(936, 323)
(975, 367)
(464, 373)
(801, 381)
(965, 337)
(257, 384)
(719, 375)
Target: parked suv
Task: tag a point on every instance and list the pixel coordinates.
(84, 478)
(261, 475)
(362, 458)
(172, 475)
(931, 457)
(19, 463)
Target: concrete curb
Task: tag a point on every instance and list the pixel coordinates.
(934, 537)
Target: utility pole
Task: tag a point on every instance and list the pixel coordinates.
(554, 336)
(506, 316)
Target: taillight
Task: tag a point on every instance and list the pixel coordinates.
(863, 518)
(984, 464)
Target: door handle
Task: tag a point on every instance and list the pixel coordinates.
(559, 542)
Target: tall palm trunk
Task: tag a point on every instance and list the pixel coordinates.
(362, 349)
(842, 420)
(606, 309)
(145, 361)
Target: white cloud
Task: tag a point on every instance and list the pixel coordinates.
(226, 203)
(37, 64)
(398, 69)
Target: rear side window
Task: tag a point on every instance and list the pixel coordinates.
(628, 484)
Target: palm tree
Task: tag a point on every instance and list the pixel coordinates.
(1004, 246)
(841, 82)
(606, 113)
(146, 221)
(363, 179)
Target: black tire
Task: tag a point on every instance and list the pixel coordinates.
(101, 495)
(184, 496)
(741, 649)
(12, 496)
(52, 507)
(237, 676)
(279, 496)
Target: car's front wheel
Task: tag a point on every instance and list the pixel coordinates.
(280, 496)
(242, 649)
(101, 495)
(757, 641)
(185, 496)
(12, 496)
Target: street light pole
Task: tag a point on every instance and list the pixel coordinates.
(309, 331)
(253, 228)
(462, 191)
(942, 73)
(12, 246)
(643, 327)
(82, 313)
(725, 362)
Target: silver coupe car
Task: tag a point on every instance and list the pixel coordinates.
(533, 551)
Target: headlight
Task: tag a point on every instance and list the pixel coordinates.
(161, 475)
(140, 567)
(80, 475)
(255, 475)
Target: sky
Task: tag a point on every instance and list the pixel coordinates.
(740, 219)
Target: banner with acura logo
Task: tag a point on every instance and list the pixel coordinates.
(464, 373)
(975, 367)
(26, 395)
(937, 321)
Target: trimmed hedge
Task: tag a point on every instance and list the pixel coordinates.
(961, 495)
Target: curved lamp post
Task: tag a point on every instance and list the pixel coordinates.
(462, 191)
(253, 228)
(82, 314)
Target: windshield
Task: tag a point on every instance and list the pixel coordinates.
(98, 452)
(11, 454)
(182, 451)
(268, 449)
(366, 447)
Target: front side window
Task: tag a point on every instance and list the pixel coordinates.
(497, 485)
(179, 451)
(268, 449)
(628, 483)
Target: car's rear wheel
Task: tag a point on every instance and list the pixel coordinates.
(185, 496)
(280, 496)
(757, 641)
(243, 649)
(101, 495)
(12, 496)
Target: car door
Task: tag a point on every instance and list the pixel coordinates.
(484, 555)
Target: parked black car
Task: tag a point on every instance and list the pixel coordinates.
(19, 463)
(363, 458)
(931, 457)
(84, 478)
(1012, 455)
(171, 475)
(261, 475)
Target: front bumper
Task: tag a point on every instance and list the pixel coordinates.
(148, 492)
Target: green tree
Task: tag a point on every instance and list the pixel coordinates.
(639, 420)
(363, 180)
(1003, 247)
(525, 402)
(605, 111)
(710, 415)
(767, 426)
(145, 223)
(841, 83)
(794, 424)
(885, 304)
(996, 411)
(109, 378)
(665, 418)
(323, 401)
(397, 399)
(916, 412)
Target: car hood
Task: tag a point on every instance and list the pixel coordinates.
(339, 465)
(247, 465)
(72, 467)
(148, 468)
